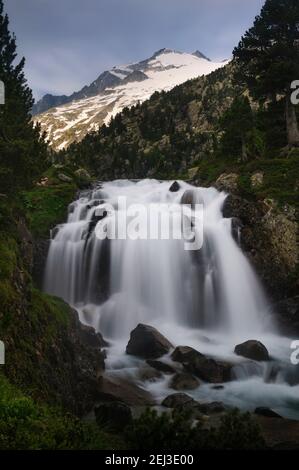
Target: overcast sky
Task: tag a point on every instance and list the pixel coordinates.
(68, 43)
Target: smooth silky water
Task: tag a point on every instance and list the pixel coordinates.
(209, 299)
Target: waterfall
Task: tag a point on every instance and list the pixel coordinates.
(146, 280)
(212, 292)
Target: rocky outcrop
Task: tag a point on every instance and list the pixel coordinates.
(145, 341)
(252, 349)
(201, 366)
(227, 182)
(269, 239)
(257, 179)
(287, 315)
(40, 253)
(49, 353)
(116, 389)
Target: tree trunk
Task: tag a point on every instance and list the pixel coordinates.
(292, 124)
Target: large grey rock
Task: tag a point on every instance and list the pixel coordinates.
(203, 367)
(118, 389)
(145, 341)
(183, 381)
(252, 349)
(177, 400)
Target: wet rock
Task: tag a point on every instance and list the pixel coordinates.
(177, 400)
(96, 217)
(89, 337)
(217, 387)
(161, 366)
(191, 197)
(236, 228)
(252, 349)
(118, 389)
(175, 187)
(183, 381)
(103, 343)
(185, 354)
(149, 374)
(145, 341)
(183, 402)
(116, 415)
(267, 412)
(202, 367)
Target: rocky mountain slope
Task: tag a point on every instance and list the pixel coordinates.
(70, 118)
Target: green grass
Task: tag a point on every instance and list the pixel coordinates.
(281, 176)
(47, 206)
(27, 425)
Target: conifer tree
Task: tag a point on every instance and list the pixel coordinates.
(22, 151)
(268, 57)
(237, 124)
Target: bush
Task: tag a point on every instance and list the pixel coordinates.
(26, 425)
(178, 430)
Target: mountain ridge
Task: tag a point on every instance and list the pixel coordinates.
(68, 119)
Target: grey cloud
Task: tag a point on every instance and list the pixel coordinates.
(68, 43)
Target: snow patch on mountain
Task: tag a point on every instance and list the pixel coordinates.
(122, 86)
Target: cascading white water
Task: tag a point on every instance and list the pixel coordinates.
(116, 284)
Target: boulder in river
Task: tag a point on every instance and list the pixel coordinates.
(145, 341)
(252, 349)
(183, 402)
(184, 381)
(191, 197)
(177, 400)
(201, 366)
(149, 374)
(175, 187)
(161, 366)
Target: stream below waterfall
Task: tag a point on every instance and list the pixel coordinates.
(209, 299)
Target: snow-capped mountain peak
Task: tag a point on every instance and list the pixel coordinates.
(72, 117)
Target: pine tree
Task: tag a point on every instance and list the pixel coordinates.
(237, 125)
(22, 151)
(268, 57)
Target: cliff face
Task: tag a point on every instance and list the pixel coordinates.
(49, 354)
